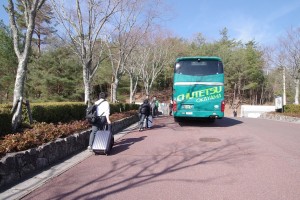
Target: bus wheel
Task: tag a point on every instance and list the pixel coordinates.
(176, 119)
(211, 120)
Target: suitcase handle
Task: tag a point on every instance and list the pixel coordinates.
(107, 127)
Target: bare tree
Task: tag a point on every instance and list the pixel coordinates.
(279, 59)
(133, 69)
(137, 61)
(22, 46)
(129, 26)
(156, 55)
(291, 47)
(85, 28)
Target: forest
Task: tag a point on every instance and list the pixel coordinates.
(52, 53)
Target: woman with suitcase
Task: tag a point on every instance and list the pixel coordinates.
(103, 112)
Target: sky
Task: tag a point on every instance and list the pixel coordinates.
(261, 20)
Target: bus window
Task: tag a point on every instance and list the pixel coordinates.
(199, 67)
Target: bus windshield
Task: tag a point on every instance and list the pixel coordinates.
(199, 67)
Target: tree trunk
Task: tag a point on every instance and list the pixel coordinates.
(296, 91)
(133, 87)
(234, 96)
(239, 88)
(87, 85)
(18, 93)
(115, 85)
(283, 85)
(261, 101)
(131, 95)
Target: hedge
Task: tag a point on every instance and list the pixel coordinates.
(292, 108)
(53, 112)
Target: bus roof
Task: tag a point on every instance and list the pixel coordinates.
(199, 57)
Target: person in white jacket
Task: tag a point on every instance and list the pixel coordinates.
(103, 112)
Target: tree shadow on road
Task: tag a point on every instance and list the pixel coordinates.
(124, 144)
(148, 169)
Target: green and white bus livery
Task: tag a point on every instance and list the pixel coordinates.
(198, 88)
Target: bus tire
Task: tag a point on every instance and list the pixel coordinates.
(211, 120)
(176, 119)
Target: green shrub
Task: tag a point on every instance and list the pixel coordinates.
(53, 112)
(292, 108)
(5, 119)
(57, 112)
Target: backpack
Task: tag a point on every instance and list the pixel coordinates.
(144, 109)
(91, 113)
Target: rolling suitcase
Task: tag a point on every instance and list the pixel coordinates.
(150, 121)
(103, 141)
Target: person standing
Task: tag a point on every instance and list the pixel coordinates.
(154, 107)
(234, 113)
(170, 107)
(103, 112)
(144, 111)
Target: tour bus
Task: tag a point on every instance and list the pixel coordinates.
(198, 88)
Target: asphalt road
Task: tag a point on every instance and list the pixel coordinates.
(234, 158)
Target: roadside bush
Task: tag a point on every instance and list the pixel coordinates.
(45, 132)
(53, 112)
(58, 112)
(292, 108)
(5, 119)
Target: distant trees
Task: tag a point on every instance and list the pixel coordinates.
(243, 66)
(116, 43)
(55, 76)
(156, 56)
(85, 27)
(290, 48)
(128, 27)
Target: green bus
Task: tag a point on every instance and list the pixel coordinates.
(198, 88)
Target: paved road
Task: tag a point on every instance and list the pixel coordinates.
(239, 158)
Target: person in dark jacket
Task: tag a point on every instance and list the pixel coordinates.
(234, 113)
(144, 112)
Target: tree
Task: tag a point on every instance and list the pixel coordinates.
(21, 48)
(43, 21)
(156, 56)
(130, 25)
(85, 29)
(290, 44)
(8, 63)
(133, 69)
(43, 28)
(255, 77)
(55, 75)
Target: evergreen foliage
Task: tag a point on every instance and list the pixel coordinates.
(8, 64)
(55, 76)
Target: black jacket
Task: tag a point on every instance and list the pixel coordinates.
(145, 109)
